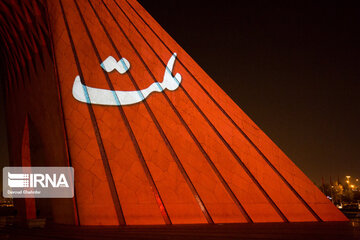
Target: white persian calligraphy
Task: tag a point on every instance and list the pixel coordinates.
(99, 96)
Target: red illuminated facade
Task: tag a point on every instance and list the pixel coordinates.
(184, 156)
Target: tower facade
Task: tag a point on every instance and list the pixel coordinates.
(152, 138)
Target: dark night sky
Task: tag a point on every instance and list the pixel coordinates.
(293, 69)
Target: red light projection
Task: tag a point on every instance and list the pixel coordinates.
(185, 154)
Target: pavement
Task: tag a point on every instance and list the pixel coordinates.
(299, 231)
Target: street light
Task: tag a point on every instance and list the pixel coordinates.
(348, 179)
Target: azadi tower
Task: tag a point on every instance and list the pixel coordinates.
(99, 85)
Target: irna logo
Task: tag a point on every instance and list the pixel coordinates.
(38, 182)
(18, 180)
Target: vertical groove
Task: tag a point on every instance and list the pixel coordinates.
(16, 40)
(272, 203)
(131, 133)
(77, 218)
(162, 133)
(202, 150)
(14, 52)
(237, 127)
(104, 158)
(14, 73)
(206, 156)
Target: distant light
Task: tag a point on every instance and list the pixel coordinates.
(357, 179)
(339, 206)
(348, 177)
(347, 181)
(352, 186)
(329, 197)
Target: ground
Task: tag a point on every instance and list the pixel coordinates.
(329, 231)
